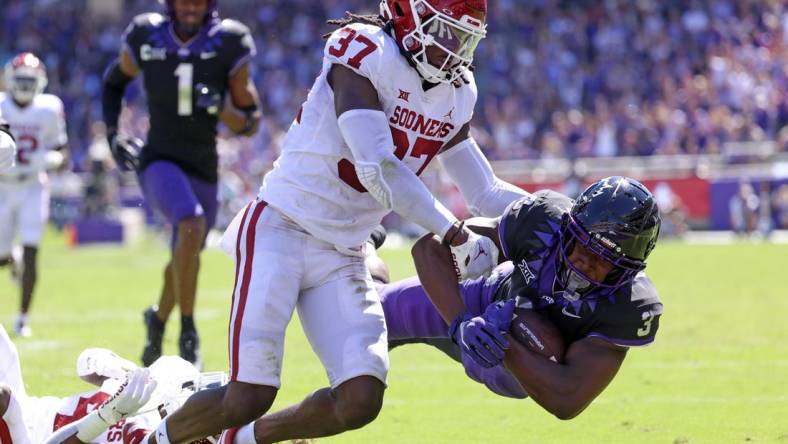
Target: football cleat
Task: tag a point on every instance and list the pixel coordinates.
(154, 334)
(189, 346)
(21, 327)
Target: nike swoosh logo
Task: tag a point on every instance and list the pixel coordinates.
(207, 55)
(571, 315)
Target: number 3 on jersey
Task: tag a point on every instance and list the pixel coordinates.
(422, 147)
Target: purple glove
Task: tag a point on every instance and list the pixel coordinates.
(479, 338)
(500, 314)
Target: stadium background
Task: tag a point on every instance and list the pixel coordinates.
(689, 96)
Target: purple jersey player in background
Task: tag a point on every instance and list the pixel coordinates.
(580, 264)
(195, 68)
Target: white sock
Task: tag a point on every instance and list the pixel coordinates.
(245, 435)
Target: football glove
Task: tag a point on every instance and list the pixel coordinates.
(479, 338)
(130, 397)
(476, 257)
(125, 150)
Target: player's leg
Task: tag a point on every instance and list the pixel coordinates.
(7, 225)
(269, 262)
(206, 194)
(33, 215)
(343, 320)
(168, 190)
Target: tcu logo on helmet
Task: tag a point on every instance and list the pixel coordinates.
(453, 26)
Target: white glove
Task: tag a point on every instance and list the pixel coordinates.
(133, 394)
(476, 257)
(7, 151)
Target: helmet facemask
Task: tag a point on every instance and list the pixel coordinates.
(456, 37)
(573, 280)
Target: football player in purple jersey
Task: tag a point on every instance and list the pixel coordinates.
(195, 68)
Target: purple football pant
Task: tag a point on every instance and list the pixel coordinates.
(178, 196)
(411, 317)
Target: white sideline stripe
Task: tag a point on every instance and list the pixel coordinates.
(116, 315)
(618, 400)
(729, 237)
(41, 345)
(712, 364)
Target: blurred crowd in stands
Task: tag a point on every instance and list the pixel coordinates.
(557, 79)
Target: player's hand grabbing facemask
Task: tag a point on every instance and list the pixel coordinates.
(130, 397)
(477, 256)
(125, 150)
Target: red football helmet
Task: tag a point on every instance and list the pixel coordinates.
(25, 76)
(454, 26)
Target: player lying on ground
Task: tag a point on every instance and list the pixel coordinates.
(578, 264)
(128, 401)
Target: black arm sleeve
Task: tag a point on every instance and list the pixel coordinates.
(115, 82)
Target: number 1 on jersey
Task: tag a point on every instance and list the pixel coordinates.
(185, 74)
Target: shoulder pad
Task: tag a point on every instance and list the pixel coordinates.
(361, 47)
(231, 26)
(50, 101)
(644, 293)
(148, 19)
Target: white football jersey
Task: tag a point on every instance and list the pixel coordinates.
(45, 415)
(314, 182)
(37, 128)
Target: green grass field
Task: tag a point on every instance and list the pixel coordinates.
(718, 372)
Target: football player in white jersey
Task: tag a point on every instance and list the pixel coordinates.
(395, 91)
(127, 403)
(38, 125)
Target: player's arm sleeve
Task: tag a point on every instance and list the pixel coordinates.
(386, 178)
(60, 136)
(115, 79)
(485, 194)
(638, 325)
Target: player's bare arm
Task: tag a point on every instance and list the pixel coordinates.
(566, 389)
(435, 267)
(242, 109)
(351, 90)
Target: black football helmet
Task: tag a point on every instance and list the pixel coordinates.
(617, 219)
